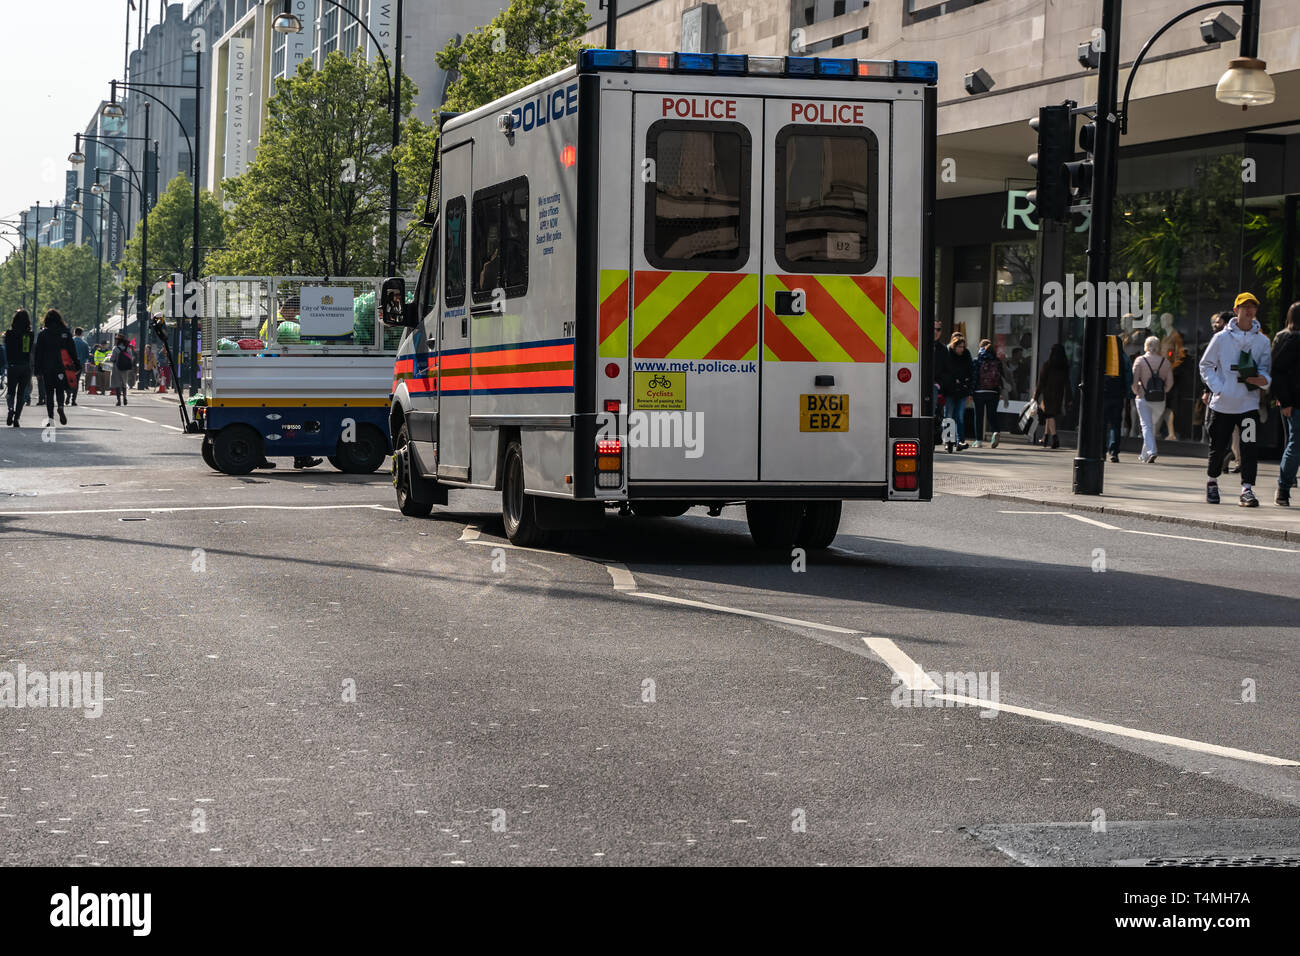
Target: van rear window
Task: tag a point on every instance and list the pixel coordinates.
(827, 218)
(697, 202)
(499, 240)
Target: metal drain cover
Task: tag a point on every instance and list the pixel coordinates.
(1199, 843)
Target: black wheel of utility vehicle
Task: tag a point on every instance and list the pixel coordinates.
(205, 449)
(362, 456)
(519, 510)
(660, 509)
(821, 522)
(402, 479)
(237, 449)
(774, 524)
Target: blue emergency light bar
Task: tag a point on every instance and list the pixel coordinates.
(740, 64)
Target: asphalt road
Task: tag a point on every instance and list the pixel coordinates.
(295, 673)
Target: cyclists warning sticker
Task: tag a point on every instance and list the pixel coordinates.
(659, 390)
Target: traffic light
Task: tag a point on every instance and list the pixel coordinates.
(1080, 171)
(1055, 128)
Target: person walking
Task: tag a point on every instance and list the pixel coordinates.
(150, 362)
(1218, 322)
(991, 383)
(1235, 367)
(120, 362)
(1116, 390)
(1285, 373)
(1051, 391)
(1153, 380)
(958, 384)
(83, 356)
(18, 353)
(938, 372)
(54, 356)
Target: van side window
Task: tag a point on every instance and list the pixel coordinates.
(430, 277)
(499, 257)
(697, 207)
(827, 216)
(454, 230)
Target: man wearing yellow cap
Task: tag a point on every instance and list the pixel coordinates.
(1235, 367)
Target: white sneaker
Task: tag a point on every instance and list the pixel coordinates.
(1142, 457)
(975, 444)
(994, 442)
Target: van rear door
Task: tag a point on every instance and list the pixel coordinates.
(827, 292)
(696, 295)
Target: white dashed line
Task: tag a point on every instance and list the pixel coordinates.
(153, 511)
(1154, 534)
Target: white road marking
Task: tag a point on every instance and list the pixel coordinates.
(1119, 731)
(908, 671)
(147, 421)
(471, 532)
(904, 668)
(622, 577)
(1155, 534)
(152, 511)
(742, 612)
(175, 428)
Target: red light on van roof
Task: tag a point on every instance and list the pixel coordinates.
(568, 155)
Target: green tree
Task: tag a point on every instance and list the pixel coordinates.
(315, 199)
(171, 233)
(67, 283)
(526, 42)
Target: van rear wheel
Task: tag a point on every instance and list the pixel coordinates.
(774, 525)
(821, 522)
(519, 510)
(363, 456)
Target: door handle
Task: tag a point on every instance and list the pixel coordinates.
(464, 326)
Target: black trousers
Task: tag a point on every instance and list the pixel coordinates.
(1221, 427)
(56, 386)
(20, 380)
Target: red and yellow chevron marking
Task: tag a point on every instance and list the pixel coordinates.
(844, 319)
(611, 333)
(695, 315)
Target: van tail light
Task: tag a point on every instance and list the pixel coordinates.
(906, 465)
(609, 463)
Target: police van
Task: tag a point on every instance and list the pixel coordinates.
(659, 280)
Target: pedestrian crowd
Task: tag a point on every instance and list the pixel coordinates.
(62, 362)
(1243, 375)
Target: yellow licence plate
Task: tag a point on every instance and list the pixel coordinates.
(823, 413)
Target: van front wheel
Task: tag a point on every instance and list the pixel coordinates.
(519, 510)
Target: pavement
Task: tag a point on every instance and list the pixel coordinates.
(293, 672)
(1171, 489)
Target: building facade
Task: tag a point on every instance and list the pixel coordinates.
(249, 57)
(1207, 200)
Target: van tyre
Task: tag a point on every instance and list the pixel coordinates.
(237, 450)
(363, 456)
(519, 510)
(205, 449)
(821, 522)
(402, 480)
(774, 525)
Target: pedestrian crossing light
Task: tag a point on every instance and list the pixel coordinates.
(1051, 194)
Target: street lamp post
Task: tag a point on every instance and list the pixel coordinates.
(1244, 84)
(289, 22)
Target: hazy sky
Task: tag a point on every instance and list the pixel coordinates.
(58, 57)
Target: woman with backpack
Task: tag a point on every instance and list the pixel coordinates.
(991, 383)
(1153, 380)
(121, 362)
(18, 352)
(55, 357)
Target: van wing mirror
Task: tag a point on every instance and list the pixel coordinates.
(395, 310)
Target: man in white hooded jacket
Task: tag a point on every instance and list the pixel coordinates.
(1234, 401)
